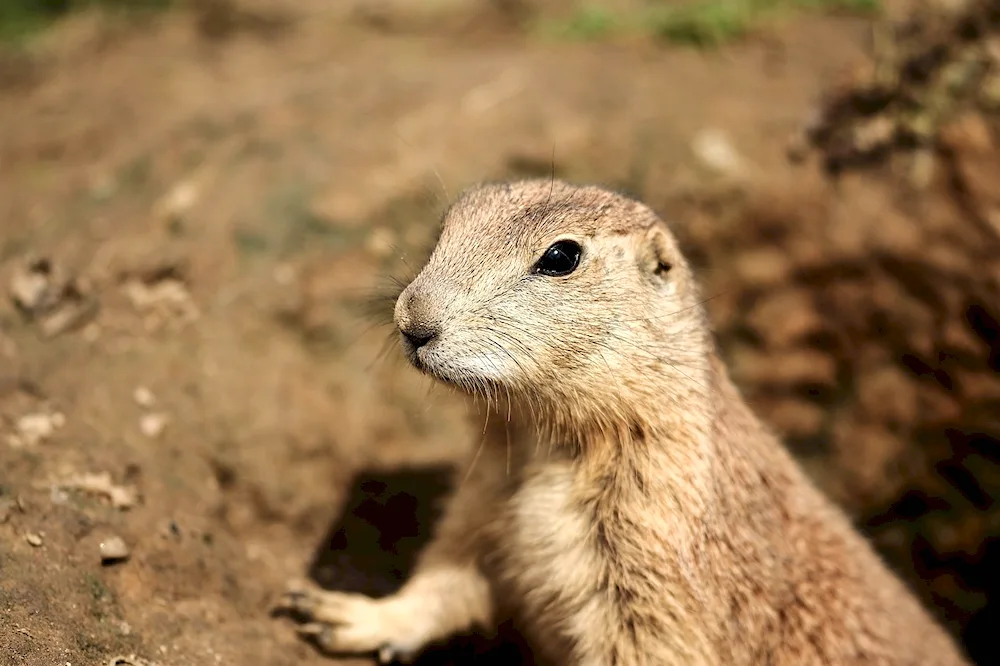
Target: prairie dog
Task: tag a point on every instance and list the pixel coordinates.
(625, 506)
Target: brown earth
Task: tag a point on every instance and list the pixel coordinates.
(196, 211)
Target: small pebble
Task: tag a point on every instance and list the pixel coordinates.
(121, 497)
(34, 540)
(180, 199)
(152, 425)
(143, 397)
(130, 660)
(31, 287)
(114, 549)
(58, 496)
(35, 428)
(716, 152)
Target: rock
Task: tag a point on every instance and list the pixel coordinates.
(55, 303)
(153, 425)
(179, 200)
(121, 497)
(34, 540)
(68, 317)
(31, 286)
(114, 549)
(32, 429)
(130, 660)
(162, 298)
(716, 152)
(143, 397)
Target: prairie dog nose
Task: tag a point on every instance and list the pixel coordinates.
(413, 321)
(418, 337)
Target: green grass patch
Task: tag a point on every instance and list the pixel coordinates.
(704, 24)
(590, 22)
(20, 19)
(699, 24)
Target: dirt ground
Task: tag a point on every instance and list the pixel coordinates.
(196, 211)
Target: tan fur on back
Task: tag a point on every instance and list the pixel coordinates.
(626, 506)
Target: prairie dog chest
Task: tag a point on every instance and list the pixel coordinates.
(547, 569)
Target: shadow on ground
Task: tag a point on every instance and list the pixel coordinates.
(372, 547)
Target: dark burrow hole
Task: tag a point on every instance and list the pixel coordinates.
(372, 547)
(976, 573)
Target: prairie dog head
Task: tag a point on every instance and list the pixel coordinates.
(555, 296)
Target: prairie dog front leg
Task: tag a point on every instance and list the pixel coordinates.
(447, 592)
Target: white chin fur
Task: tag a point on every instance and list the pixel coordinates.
(466, 368)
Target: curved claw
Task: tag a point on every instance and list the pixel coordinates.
(389, 654)
(320, 634)
(299, 602)
(311, 630)
(385, 654)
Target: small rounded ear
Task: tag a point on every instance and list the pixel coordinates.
(657, 253)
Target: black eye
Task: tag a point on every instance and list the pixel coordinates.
(561, 258)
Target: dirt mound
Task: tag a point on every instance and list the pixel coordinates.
(940, 62)
(860, 310)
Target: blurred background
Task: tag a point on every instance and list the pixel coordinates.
(199, 200)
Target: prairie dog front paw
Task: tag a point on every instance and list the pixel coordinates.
(346, 623)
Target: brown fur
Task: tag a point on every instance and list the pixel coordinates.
(625, 506)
